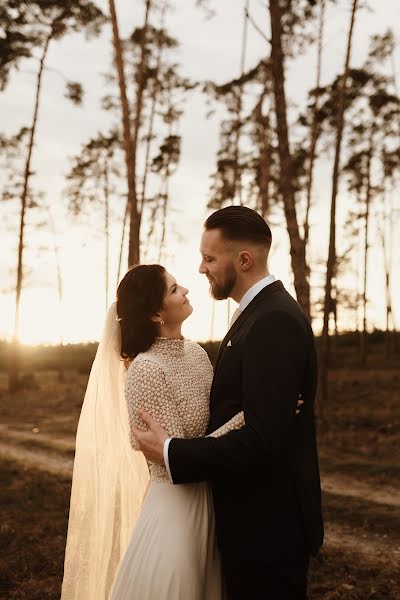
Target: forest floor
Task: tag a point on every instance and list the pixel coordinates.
(359, 455)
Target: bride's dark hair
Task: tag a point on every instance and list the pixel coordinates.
(140, 295)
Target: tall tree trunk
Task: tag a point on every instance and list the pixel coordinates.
(106, 230)
(154, 99)
(164, 209)
(134, 229)
(330, 267)
(61, 360)
(153, 221)
(237, 174)
(314, 125)
(389, 315)
(386, 245)
(359, 203)
(121, 248)
(14, 366)
(297, 248)
(130, 155)
(364, 340)
(264, 144)
(165, 195)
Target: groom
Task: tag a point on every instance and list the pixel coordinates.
(265, 476)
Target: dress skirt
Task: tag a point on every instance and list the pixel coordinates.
(172, 554)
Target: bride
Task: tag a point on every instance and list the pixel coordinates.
(131, 533)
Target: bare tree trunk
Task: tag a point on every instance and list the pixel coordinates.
(134, 229)
(330, 267)
(15, 349)
(314, 125)
(263, 132)
(297, 247)
(359, 259)
(149, 136)
(106, 231)
(387, 267)
(153, 221)
(389, 315)
(237, 175)
(121, 248)
(165, 195)
(163, 218)
(396, 338)
(335, 313)
(363, 348)
(130, 155)
(61, 360)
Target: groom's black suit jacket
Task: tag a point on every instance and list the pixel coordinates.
(265, 476)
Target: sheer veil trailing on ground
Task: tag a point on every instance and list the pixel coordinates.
(109, 478)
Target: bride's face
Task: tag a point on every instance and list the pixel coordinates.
(176, 306)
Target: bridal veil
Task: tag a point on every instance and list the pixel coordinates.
(109, 478)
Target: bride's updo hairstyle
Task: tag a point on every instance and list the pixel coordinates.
(140, 295)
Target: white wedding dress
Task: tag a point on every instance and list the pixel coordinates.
(172, 553)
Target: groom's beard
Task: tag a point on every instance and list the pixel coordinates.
(222, 290)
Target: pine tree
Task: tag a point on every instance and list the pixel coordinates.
(38, 24)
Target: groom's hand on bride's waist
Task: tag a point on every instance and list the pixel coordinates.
(151, 442)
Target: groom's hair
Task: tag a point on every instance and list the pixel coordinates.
(239, 223)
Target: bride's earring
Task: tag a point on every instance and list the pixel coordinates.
(162, 322)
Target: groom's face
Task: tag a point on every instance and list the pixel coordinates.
(218, 263)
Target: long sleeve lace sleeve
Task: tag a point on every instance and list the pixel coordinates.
(235, 423)
(147, 389)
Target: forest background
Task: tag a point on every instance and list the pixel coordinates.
(123, 125)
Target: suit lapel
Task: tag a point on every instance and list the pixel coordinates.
(263, 295)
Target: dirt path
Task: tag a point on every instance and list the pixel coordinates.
(374, 549)
(38, 459)
(356, 488)
(334, 484)
(368, 546)
(57, 443)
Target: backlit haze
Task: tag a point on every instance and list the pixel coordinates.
(210, 49)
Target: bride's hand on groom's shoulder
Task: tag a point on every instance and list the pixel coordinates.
(151, 442)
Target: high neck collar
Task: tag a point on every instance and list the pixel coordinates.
(170, 347)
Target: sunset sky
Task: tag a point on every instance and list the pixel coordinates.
(209, 50)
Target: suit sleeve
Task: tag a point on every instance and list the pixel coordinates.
(273, 364)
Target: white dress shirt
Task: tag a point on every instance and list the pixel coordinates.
(244, 302)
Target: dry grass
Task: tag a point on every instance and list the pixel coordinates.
(361, 440)
(339, 575)
(34, 508)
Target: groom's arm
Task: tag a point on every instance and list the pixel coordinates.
(274, 360)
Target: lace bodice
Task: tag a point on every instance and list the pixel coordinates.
(172, 381)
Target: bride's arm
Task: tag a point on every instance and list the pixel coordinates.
(235, 423)
(238, 421)
(147, 389)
